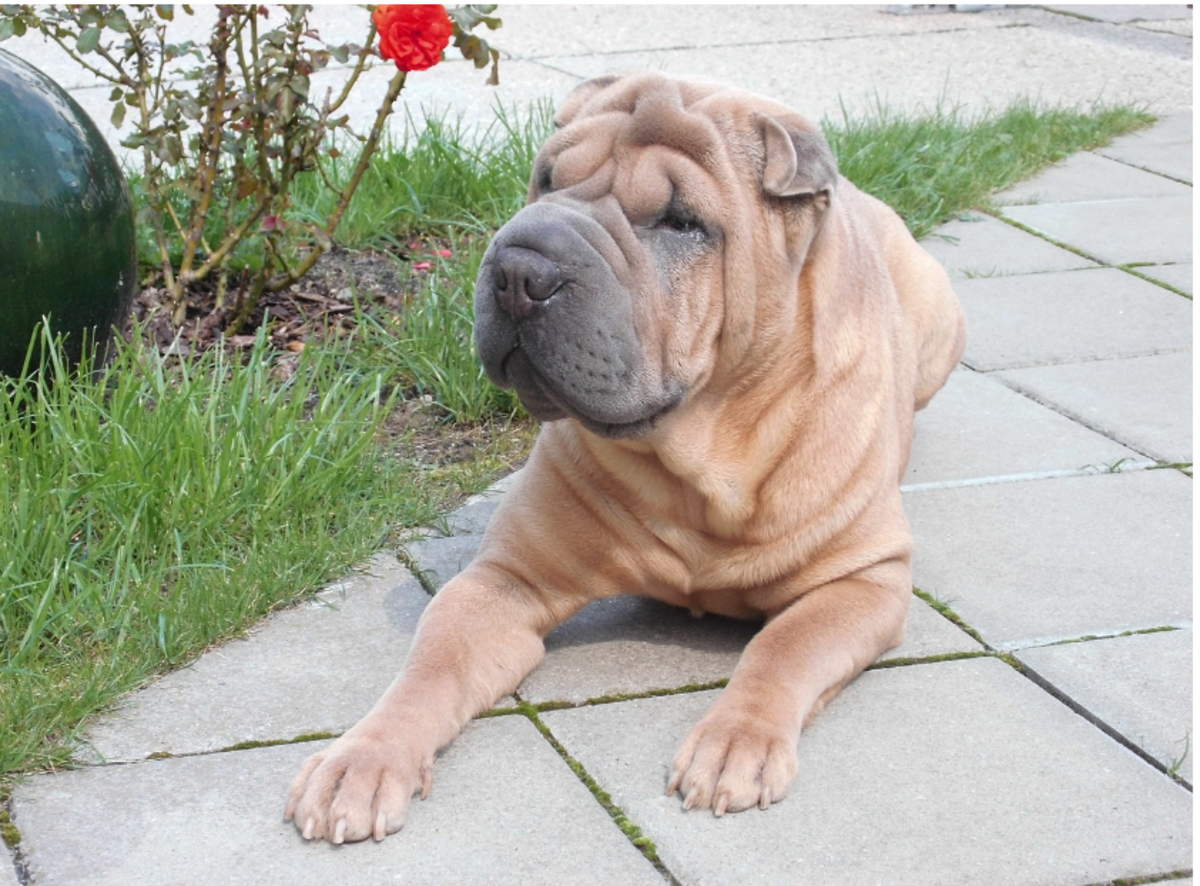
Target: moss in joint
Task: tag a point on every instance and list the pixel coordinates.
(928, 659)
(653, 693)
(950, 615)
(1012, 662)
(275, 742)
(631, 831)
(497, 712)
(1087, 638)
(1147, 879)
(8, 830)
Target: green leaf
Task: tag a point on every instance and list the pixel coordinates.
(341, 53)
(117, 21)
(89, 39)
(118, 115)
(165, 11)
(7, 29)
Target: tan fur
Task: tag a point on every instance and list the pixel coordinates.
(807, 341)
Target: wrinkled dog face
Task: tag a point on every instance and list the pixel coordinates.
(604, 298)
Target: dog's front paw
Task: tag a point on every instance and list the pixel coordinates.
(358, 787)
(733, 760)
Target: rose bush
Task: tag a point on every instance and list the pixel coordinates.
(224, 129)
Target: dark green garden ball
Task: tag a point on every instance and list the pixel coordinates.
(67, 244)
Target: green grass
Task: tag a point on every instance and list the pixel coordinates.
(430, 346)
(160, 506)
(439, 177)
(931, 168)
(152, 509)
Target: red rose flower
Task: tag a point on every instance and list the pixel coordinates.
(412, 36)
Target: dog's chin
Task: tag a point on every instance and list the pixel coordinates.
(543, 402)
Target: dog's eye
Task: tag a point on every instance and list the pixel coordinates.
(679, 222)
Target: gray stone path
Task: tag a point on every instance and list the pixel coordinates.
(1034, 728)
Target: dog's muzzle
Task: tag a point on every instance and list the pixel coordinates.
(554, 323)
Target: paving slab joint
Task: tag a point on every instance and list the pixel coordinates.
(1126, 268)
(1120, 466)
(596, 700)
(1147, 879)
(1159, 173)
(1133, 271)
(1088, 638)
(930, 659)
(1049, 688)
(10, 836)
(1085, 471)
(303, 738)
(944, 610)
(630, 829)
(421, 575)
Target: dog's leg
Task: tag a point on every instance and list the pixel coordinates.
(478, 638)
(743, 752)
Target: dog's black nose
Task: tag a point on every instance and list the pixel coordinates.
(522, 277)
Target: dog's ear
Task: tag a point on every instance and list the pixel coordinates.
(579, 96)
(797, 159)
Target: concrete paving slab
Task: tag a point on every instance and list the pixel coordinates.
(987, 247)
(1139, 685)
(315, 668)
(1118, 232)
(1130, 12)
(1144, 402)
(1030, 563)
(976, 428)
(1165, 148)
(542, 31)
(505, 809)
(927, 634)
(472, 518)
(439, 559)
(971, 70)
(952, 59)
(8, 873)
(1179, 276)
(631, 645)
(1179, 27)
(1069, 316)
(949, 773)
(1089, 177)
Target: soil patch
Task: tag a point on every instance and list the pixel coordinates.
(328, 301)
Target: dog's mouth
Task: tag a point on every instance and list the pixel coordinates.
(545, 402)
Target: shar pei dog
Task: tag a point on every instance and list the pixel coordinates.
(727, 342)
